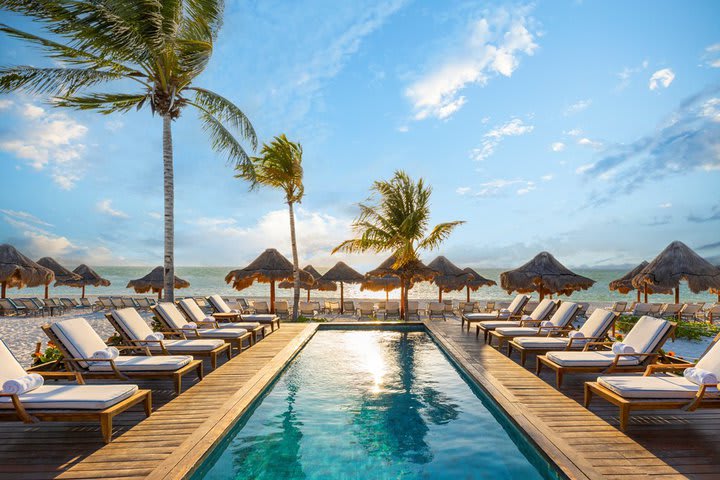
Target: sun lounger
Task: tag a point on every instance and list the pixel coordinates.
(640, 309)
(282, 309)
(512, 312)
(366, 309)
(436, 310)
(670, 310)
(194, 313)
(449, 309)
(30, 307)
(66, 403)
(392, 310)
(78, 342)
(224, 313)
(645, 339)
(530, 306)
(594, 329)
(413, 309)
(261, 307)
(690, 310)
(657, 390)
(135, 331)
(9, 307)
(541, 313)
(560, 323)
(711, 313)
(655, 309)
(349, 307)
(307, 309)
(619, 307)
(171, 318)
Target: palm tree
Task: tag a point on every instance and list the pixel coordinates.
(280, 166)
(397, 222)
(158, 47)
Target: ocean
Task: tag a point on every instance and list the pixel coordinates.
(209, 280)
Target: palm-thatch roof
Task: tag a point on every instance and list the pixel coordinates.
(270, 266)
(17, 270)
(449, 277)
(63, 276)
(88, 277)
(341, 272)
(317, 284)
(624, 284)
(476, 280)
(416, 270)
(380, 284)
(676, 263)
(155, 281)
(545, 275)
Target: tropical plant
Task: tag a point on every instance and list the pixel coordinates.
(51, 354)
(396, 219)
(280, 166)
(158, 47)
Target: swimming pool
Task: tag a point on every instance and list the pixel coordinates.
(373, 404)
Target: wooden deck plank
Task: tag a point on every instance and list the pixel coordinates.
(658, 444)
(76, 451)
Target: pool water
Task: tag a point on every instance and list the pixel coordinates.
(373, 404)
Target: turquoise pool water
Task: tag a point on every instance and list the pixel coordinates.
(373, 404)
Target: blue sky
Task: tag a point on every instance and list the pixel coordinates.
(589, 129)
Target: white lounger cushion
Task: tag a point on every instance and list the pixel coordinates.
(711, 360)
(589, 359)
(646, 334)
(219, 303)
(658, 386)
(245, 325)
(520, 331)
(134, 326)
(171, 315)
(73, 397)
(550, 343)
(144, 363)
(598, 323)
(259, 318)
(192, 309)
(564, 314)
(543, 309)
(483, 316)
(194, 345)
(10, 368)
(513, 309)
(217, 333)
(78, 337)
(498, 324)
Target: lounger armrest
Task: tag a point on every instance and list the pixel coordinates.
(146, 343)
(658, 367)
(111, 361)
(618, 356)
(529, 323)
(699, 397)
(20, 408)
(135, 348)
(209, 324)
(174, 333)
(598, 344)
(583, 339)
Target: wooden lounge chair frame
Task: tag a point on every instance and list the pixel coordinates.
(233, 341)
(105, 417)
(231, 316)
(647, 358)
(515, 316)
(551, 330)
(80, 373)
(254, 332)
(524, 351)
(627, 405)
(486, 331)
(212, 354)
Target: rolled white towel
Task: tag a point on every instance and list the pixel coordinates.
(24, 384)
(209, 319)
(190, 326)
(699, 376)
(619, 347)
(155, 336)
(546, 323)
(504, 310)
(575, 334)
(110, 353)
(526, 317)
(234, 310)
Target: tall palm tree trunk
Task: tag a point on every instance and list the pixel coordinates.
(168, 188)
(296, 268)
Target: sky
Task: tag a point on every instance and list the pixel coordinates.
(590, 129)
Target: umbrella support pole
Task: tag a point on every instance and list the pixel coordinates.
(646, 294)
(342, 300)
(47, 291)
(440, 294)
(677, 294)
(272, 297)
(4, 289)
(83, 292)
(467, 289)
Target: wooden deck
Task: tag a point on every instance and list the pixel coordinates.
(166, 445)
(587, 444)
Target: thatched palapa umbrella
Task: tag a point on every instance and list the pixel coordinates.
(270, 267)
(545, 275)
(677, 263)
(476, 281)
(63, 276)
(381, 284)
(411, 272)
(317, 284)
(449, 276)
(155, 281)
(342, 273)
(624, 284)
(17, 270)
(88, 276)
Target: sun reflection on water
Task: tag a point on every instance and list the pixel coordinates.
(371, 360)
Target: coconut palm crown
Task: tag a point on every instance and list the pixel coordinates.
(396, 219)
(149, 52)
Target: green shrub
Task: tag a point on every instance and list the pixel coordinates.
(302, 319)
(688, 330)
(51, 354)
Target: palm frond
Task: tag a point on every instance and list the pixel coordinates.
(438, 235)
(222, 140)
(103, 102)
(227, 112)
(52, 81)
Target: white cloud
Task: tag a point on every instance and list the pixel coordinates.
(463, 190)
(627, 73)
(547, 178)
(494, 137)
(105, 207)
(661, 78)
(557, 147)
(529, 187)
(584, 168)
(49, 141)
(711, 109)
(575, 132)
(577, 107)
(499, 187)
(665, 205)
(586, 142)
(712, 55)
(5, 104)
(492, 46)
